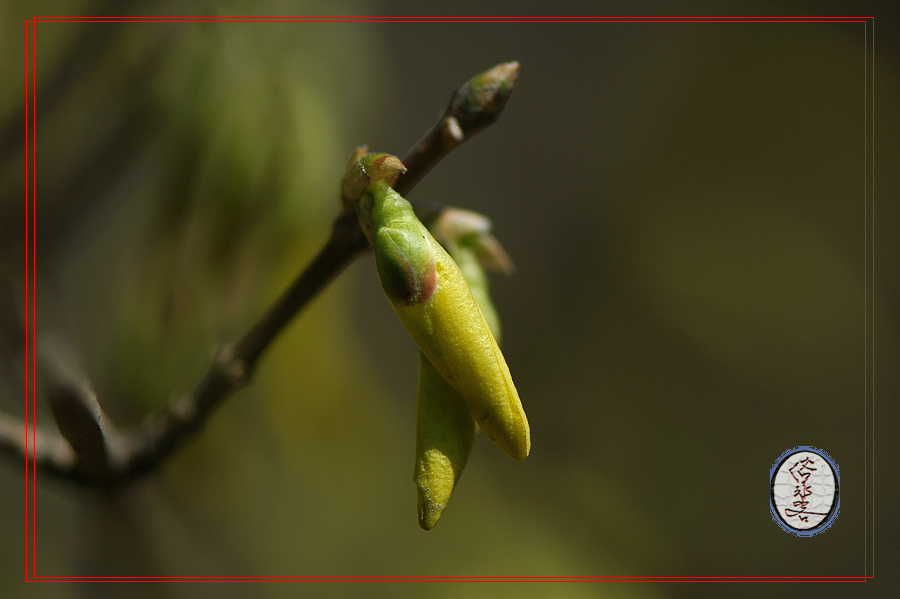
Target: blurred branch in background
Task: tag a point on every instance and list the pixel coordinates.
(86, 50)
(134, 116)
(91, 451)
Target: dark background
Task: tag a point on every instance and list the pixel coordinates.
(684, 204)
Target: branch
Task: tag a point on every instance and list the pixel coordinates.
(127, 454)
(82, 428)
(51, 453)
(476, 105)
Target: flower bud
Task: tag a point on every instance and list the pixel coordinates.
(434, 303)
(445, 428)
(361, 170)
(457, 227)
(445, 431)
(480, 100)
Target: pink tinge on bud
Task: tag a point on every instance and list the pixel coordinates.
(421, 282)
(406, 264)
(427, 284)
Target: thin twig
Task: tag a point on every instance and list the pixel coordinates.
(476, 105)
(74, 407)
(130, 453)
(52, 454)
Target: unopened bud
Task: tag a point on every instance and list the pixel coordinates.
(480, 100)
(362, 170)
(445, 428)
(448, 326)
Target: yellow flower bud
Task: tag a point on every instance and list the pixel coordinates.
(445, 428)
(434, 302)
(445, 431)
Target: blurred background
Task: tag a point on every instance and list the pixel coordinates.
(684, 203)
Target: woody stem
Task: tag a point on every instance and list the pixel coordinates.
(129, 453)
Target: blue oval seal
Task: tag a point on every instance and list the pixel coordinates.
(805, 491)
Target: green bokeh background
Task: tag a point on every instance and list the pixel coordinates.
(684, 203)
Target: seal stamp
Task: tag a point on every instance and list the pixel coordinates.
(805, 491)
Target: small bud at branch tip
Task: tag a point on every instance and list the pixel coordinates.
(480, 100)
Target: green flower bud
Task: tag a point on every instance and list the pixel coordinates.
(434, 302)
(361, 170)
(481, 99)
(457, 227)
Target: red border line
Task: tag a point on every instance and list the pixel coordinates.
(27, 395)
(447, 20)
(455, 579)
(865, 298)
(34, 293)
(871, 173)
(30, 426)
(869, 301)
(34, 290)
(868, 291)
